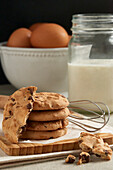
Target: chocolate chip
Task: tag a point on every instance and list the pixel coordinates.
(51, 138)
(85, 158)
(29, 106)
(14, 104)
(45, 126)
(13, 99)
(6, 118)
(10, 112)
(31, 98)
(106, 152)
(97, 155)
(31, 91)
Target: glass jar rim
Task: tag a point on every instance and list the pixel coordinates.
(92, 16)
(92, 22)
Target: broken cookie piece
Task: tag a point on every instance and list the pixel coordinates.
(88, 140)
(94, 144)
(102, 150)
(16, 112)
(70, 159)
(83, 158)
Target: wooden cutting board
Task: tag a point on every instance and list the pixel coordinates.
(35, 148)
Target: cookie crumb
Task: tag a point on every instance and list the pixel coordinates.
(83, 158)
(70, 159)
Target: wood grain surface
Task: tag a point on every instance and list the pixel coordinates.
(37, 148)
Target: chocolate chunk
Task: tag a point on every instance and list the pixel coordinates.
(29, 106)
(106, 152)
(51, 138)
(31, 98)
(13, 99)
(31, 91)
(6, 118)
(10, 112)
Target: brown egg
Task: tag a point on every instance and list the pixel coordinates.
(20, 38)
(49, 35)
(34, 26)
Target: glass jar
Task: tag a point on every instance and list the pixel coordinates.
(90, 66)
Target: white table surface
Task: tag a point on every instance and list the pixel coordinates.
(94, 164)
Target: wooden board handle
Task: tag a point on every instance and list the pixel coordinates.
(3, 100)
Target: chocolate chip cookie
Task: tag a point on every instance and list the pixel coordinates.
(49, 115)
(46, 126)
(49, 101)
(34, 135)
(16, 112)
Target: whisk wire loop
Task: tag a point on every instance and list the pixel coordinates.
(99, 114)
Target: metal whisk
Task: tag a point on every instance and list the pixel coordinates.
(99, 116)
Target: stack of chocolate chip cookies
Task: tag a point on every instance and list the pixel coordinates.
(48, 117)
(31, 115)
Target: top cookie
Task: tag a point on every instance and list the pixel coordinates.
(16, 112)
(49, 101)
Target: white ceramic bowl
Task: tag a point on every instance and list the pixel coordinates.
(44, 68)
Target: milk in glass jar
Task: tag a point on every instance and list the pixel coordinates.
(90, 66)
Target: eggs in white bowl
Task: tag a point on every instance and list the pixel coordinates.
(45, 68)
